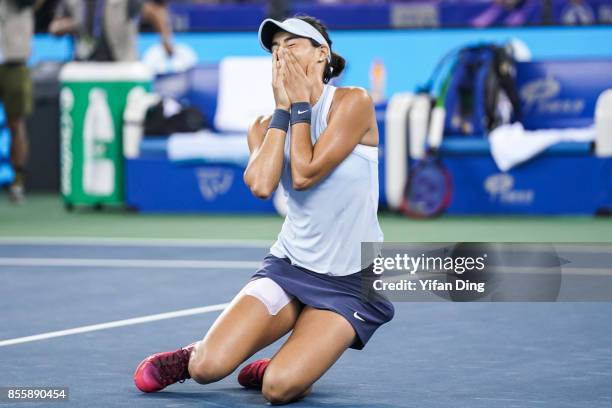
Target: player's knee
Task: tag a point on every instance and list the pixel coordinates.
(278, 388)
(205, 369)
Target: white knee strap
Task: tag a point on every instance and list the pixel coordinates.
(269, 293)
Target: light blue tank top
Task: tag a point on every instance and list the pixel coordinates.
(326, 224)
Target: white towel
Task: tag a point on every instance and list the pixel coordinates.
(512, 144)
(209, 147)
(245, 92)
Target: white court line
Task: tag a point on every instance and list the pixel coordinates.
(116, 323)
(154, 242)
(588, 247)
(130, 263)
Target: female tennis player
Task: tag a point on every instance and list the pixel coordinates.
(321, 144)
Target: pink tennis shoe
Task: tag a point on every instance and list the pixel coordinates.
(251, 376)
(158, 371)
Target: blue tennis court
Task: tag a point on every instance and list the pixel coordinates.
(448, 159)
(147, 297)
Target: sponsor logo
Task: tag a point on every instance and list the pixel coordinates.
(542, 96)
(301, 112)
(214, 182)
(356, 316)
(415, 15)
(501, 189)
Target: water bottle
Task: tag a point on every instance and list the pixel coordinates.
(378, 81)
(98, 132)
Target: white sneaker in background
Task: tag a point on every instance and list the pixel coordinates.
(16, 194)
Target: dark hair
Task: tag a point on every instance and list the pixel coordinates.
(336, 66)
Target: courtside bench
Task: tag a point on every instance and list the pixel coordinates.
(154, 183)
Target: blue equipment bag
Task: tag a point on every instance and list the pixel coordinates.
(481, 92)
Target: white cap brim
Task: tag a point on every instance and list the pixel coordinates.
(301, 28)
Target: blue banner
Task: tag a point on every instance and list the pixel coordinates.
(559, 94)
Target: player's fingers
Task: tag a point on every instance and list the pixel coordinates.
(310, 71)
(274, 58)
(296, 65)
(292, 66)
(290, 61)
(284, 74)
(274, 65)
(287, 70)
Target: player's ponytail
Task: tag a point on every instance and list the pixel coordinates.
(334, 68)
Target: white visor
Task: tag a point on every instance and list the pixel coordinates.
(301, 28)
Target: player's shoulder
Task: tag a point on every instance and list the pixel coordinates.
(353, 95)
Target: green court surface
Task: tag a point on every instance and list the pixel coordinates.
(45, 216)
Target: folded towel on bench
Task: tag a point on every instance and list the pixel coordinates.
(512, 144)
(209, 147)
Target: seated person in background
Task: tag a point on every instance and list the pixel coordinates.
(107, 30)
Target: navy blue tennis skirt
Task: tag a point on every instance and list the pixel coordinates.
(344, 295)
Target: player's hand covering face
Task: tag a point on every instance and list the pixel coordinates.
(278, 78)
(298, 83)
(300, 65)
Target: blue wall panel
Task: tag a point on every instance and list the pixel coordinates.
(409, 55)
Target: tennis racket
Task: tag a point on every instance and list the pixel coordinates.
(428, 191)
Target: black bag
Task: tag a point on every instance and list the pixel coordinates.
(187, 119)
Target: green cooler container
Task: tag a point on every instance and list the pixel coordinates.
(92, 99)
